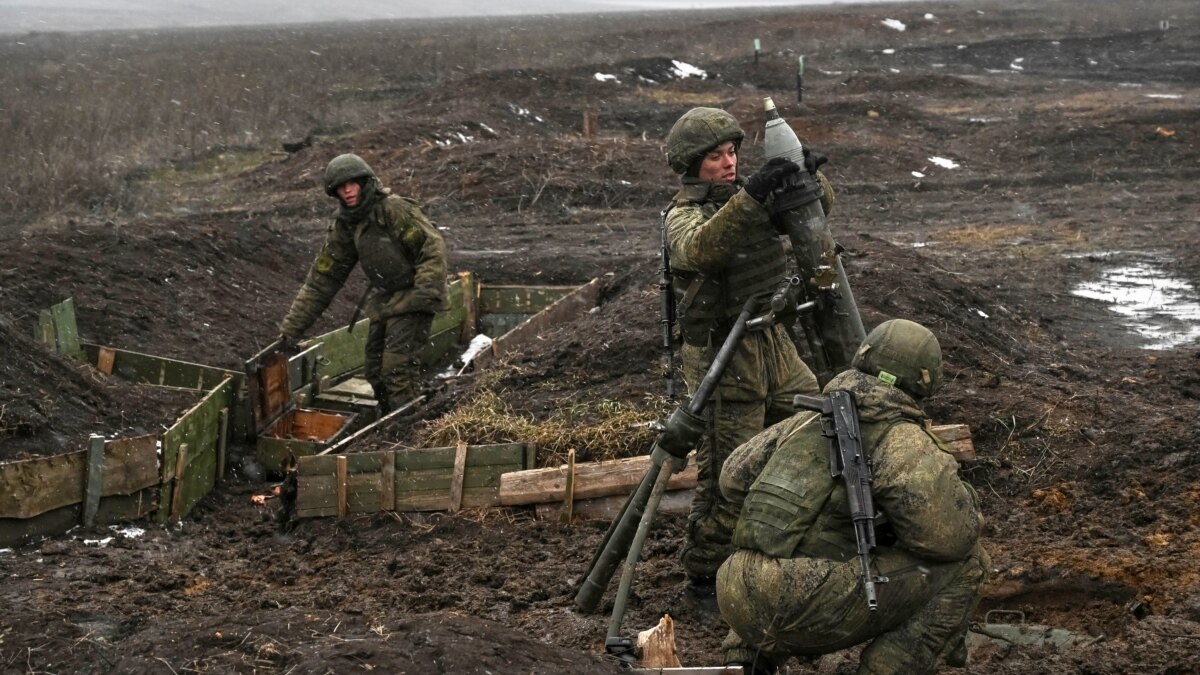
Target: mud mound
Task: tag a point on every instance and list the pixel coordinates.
(49, 404)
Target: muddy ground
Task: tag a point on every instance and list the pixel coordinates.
(1074, 131)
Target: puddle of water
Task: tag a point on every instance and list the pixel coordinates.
(1162, 309)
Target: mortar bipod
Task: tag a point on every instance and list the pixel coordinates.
(682, 434)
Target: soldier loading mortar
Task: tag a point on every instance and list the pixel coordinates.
(723, 234)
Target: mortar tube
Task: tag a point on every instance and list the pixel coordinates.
(621, 532)
(802, 217)
(695, 406)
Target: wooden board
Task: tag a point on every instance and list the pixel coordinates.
(519, 299)
(421, 479)
(199, 429)
(608, 508)
(157, 370)
(341, 350)
(566, 309)
(66, 333)
(114, 509)
(592, 479)
(31, 487)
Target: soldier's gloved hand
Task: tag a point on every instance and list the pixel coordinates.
(769, 177)
(287, 344)
(813, 160)
(683, 433)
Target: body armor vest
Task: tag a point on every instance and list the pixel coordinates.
(380, 254)
(708, 304)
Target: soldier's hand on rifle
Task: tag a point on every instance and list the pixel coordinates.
(770, 176)
(813, 160)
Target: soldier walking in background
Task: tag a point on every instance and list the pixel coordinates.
(404, 259)
(725, 250)
(795, 585)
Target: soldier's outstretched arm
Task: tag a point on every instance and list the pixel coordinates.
(326, 276)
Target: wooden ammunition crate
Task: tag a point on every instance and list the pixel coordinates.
(286, 431)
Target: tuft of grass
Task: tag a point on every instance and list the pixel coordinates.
(595, 430)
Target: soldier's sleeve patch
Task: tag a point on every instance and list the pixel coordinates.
(324, 262)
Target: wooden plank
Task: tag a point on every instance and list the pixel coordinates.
(592, 479)
(66, 333)
(569, 490)
(341, 350)
(469, 294)
(199, 428)
(181, 458)
(114, 509)
(94, 472)
(343, 475)
(503, 299)
(34, 486)
(608, 508)
(45, 330)
(566, 309)
(105, 359)
(222, 440)
(421, 479)
(158, 371)
(387, 481)
(958, 437)
(355, 386)
(456, 480)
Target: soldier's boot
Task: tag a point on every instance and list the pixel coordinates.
(958, 657)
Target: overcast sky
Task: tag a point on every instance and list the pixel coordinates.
(22, 16)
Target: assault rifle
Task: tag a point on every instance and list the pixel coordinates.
(667, 295)
(839, 423)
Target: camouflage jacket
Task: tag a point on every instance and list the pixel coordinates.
(723, 251)
(401, 253)
(790, 506)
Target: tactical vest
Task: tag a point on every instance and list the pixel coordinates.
(795, 506)
(708, 304)
(382, 257)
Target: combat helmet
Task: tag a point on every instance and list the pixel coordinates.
(345, 168)
(904, 354)
(697, 132)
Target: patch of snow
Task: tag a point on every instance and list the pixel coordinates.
(100, 543)
(894, 24)
(888, 51)
(1167, 96)
(683, 70)
(604, 77)
(918, 174)
(944, 163)
(1160, 308)
(980, 312)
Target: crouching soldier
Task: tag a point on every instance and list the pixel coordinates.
(794, 586)
(404, 259)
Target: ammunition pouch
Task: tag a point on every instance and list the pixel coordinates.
(683, 433)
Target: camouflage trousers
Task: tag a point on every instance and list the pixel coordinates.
(809, 606)
(392, 364)
(755, 392)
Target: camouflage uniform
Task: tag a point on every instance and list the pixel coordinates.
(724, 250)
(793, 586)
(404, 259)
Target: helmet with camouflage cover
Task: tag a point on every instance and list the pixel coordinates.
(904, 354)
(343, 169)
(697, 132)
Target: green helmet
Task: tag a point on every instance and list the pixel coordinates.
(904, 354)
(697, 132)
(343, 169)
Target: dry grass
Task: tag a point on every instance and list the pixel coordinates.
(598, 431)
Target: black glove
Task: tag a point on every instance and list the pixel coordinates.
(769, 177)
(287, 345)
(813, 160)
